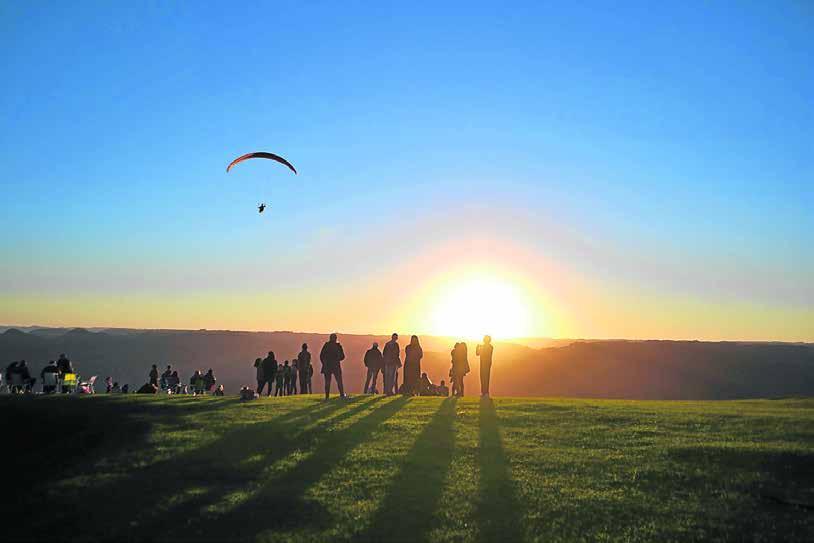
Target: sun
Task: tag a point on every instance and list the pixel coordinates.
(474, 306)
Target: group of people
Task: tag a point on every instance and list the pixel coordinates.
(284, 378)
(18, 376)
(294, 376)
(170, 382)
(385, 362)
(415, 382)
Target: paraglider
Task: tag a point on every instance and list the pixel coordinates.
(270, 156)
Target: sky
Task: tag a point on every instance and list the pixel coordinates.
(535, 169)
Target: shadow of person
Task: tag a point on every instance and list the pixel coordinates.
(499, 513)
(281, 504)
(408, 510)
(128, 503)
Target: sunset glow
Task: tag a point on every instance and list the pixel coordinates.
(473, 306)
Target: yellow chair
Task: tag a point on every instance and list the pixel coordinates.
(69, 381)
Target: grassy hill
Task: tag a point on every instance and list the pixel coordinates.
(373, 468)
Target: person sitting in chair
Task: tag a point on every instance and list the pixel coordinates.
(209, 380)
(49, 376)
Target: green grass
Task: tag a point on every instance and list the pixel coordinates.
(372, 468)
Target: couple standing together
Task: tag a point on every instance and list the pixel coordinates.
(388, 362)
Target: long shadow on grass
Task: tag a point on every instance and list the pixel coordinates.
(407, 512)
(239, 459)
(499, 513)
(280, 503)
(49, 437)
(128, 508)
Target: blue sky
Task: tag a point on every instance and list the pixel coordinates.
(674, 142)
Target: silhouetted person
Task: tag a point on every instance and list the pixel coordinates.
(270, 370)
(65, 367)
(24, 376)
(292, 384)
(310, 377)
(11, 369)
(460, 367)
(392, 362)
(279, 381)
(261, 380)
(174, 382)
(442, 389)
(196, 382)
(286, 379)
(219, 390)
(154, 376)
(373, 363)
(125, 388)
(425, 386)
(485, 353)
(331, 357)
(209, 380)
(304, 369)
(53, 374)
(412, 366)
(165, 378)
(108, 381)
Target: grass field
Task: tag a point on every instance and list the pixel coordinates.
(373, 468)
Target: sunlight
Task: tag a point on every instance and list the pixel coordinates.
(484, 304)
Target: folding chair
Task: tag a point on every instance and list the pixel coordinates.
(86, 387)
(198, 386)
(50, 379)
(16, 384)
(69, 382)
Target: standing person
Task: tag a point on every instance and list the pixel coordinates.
(279, 378)
(174, 382)
(331, 356)
(485, 353)
(412, 366)
(165, 377)
(270, 370)
(65, 367)
(452, 381)
(108, 382)
(373, 363)
(310, 377)
(261, 379)
(154, 376)
(292, 389)
(460, 367)
(392, 362)
(286, 379)
(304, 369)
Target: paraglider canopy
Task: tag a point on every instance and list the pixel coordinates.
(261, 154)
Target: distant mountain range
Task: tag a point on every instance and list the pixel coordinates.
(550, 367)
